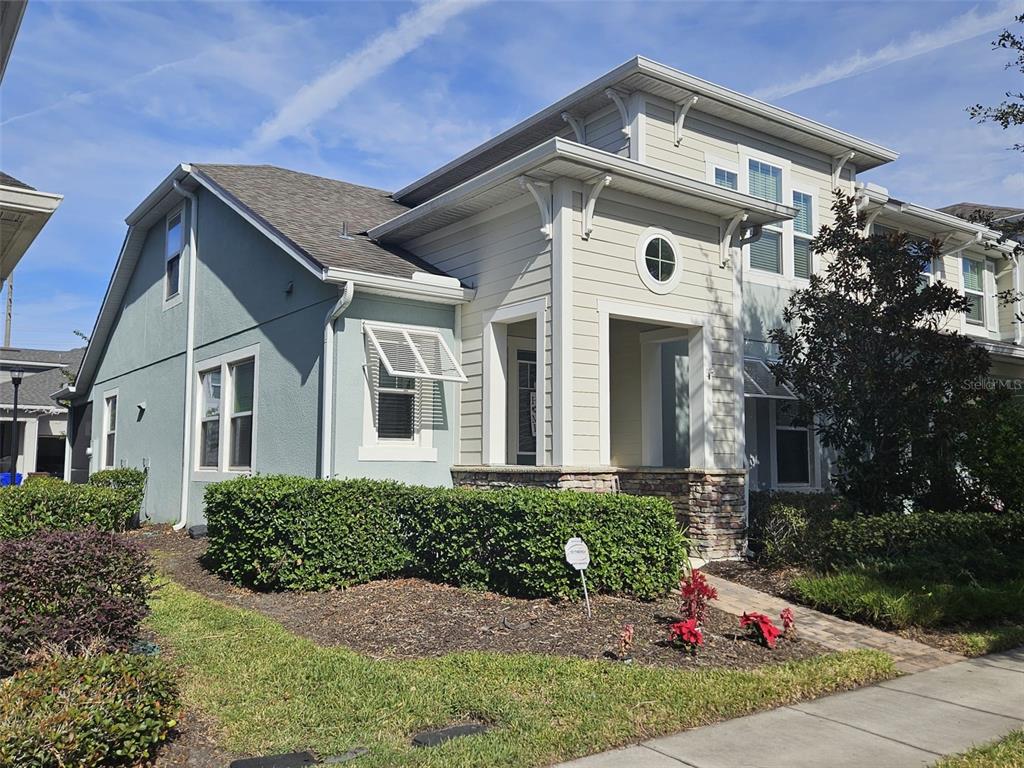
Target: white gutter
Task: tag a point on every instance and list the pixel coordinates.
(327, 379)
(190, 332)
(422, 285)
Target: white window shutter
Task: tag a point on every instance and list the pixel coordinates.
(414, 353)
(991, 302)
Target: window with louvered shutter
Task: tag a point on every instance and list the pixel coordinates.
(974, 290)
(803, 231)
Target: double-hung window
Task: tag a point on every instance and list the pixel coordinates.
(109, 430)
(406, 367)
(174, 243)
(765, 181)
(226, 411)
(803, 233)
(974, 290)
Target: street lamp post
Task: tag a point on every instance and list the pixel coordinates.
(16, 376)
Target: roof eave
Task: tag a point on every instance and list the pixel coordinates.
(641, 65)
(421, 286)
(759, 211)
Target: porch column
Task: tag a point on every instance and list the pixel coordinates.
(495, 394)
(562, 323)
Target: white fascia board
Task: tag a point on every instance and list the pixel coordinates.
(707, 89)
(429, 288)
(698, 87)
(762, 211)
(29, 200)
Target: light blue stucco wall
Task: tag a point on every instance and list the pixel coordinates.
(351, 386)
(249, 293)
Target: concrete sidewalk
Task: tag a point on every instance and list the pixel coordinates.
(910, 721)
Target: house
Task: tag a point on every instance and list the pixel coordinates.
(581, 301)
(42, 421)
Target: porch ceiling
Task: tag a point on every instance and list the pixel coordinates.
(561, 158)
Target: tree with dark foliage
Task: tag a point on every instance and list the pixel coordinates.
(872, 356)
(1011, 111)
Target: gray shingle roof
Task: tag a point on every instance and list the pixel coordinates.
(9, 181)
(36, 388)
(965, 210)
(309, 211)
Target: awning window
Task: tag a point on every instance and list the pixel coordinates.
(413, 353)
(759, 381)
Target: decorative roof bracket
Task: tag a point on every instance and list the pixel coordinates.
(593, 192)
(620, 102)
(682, 108)
(869, 219)
(726, 243)
(541, 191)
(956, 250)
(577, 126)
(838, 162)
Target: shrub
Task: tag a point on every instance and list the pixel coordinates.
(69, 590)
(295, 533)
(512, 541)
(939, 545)
(53, 504)
(104, 710)
(785, 527)
(899, 603)
(127, 479)
(282, 532)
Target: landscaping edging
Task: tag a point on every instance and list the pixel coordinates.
(710, 502)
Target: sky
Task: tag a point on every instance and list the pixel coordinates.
(102, 99)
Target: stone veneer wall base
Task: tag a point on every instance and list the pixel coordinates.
(711, 503)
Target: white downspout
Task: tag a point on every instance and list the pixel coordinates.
(190, 326)
(327, 379)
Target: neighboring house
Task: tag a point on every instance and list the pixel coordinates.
(42, 421)
(581, 301)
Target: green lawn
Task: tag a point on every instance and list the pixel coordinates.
(271, 691)
(990, 615)
(1006, 753)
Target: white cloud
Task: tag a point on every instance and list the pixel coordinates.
(320, 96)
(960, 28)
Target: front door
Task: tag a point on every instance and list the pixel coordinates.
(523, 405)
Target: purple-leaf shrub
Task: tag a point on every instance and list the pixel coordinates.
(63, 590)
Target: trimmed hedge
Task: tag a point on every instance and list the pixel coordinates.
(106, 710)
(55, 505)
(69, 591)
(284, 532)
(512, 541)
(127, 479)
(981, 545)
(278, 532)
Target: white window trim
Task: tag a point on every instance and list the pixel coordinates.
(814, 451)
(653, 285)
(971, 326)
(110, 393)
(802, 281)
(713, 163)
(177, 298)
(515, 344)
(421, 446)
(224, 362)
(785, 279)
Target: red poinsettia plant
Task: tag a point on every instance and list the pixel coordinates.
(761, 627)
(788, 623)
(694, 596)
(687, 634)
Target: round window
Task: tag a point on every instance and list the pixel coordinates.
(657, 260)
(660, 259)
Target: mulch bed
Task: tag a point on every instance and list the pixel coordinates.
(436, 620)
(774, 581)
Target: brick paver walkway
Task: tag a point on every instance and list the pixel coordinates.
(837, 634)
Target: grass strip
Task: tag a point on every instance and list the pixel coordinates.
(1005, 753)
(271, 691)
